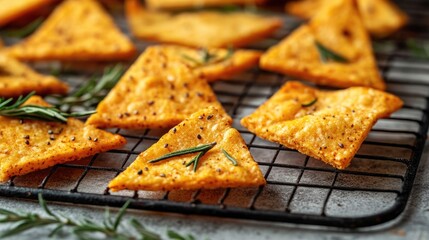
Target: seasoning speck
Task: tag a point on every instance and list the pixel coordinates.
(52, 137)
(162, 175)
(209, 117)
(199, 136)
(174, 130)
(341, 145)
(50, 131)
(146, 169)
(166, 145)
(95, 139)
(73, 138)
(140, 172)
(27, 137)
(27, 142)
(150, 103)
(49, 143)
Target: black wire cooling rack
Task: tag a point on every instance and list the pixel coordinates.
(300, 189)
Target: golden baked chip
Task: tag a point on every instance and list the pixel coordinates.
(78, 30)
(11, 10)
(328, 51)
(210, 64)
(30, 145)
(155, 92)
(327, 125)
(18, 79)
(214, 169)
(305, 9)
(173, 4)
(199, 29)
(380, 17)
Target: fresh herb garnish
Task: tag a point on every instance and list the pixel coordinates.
(230, 158)
(24, 31)
(201, 150)
(16, 110)
(205, 57)
(418, 48)
(83, 229)
(312, 102)
(327, 55)
(91, 93)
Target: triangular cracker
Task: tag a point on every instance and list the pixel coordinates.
(214, 169)
(326, 125)
(199, 29)
(174, 4)
(11, 10)
(298, 54)
(156, 92)
(380, 17)
(18, 79)
(78, 30)
(30, 145)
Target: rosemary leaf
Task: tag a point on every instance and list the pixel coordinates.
(418, 48)
(145, 234)
(200, 148)
(121, 215)
(24, 31)
(176, 236)
(196, 160)
(230, 158)
(34, 112)
(327, 55)
(83, 229)
(91, 93)
(311, 103)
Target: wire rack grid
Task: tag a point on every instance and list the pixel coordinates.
(300, 189)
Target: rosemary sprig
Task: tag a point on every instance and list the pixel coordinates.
(83, 229)
(91, 93)
(205, 57)
(16, 110)
(327, 55)
(418, 48)
(201, 150)
(311, 103)
(230, 158)
(24, 31)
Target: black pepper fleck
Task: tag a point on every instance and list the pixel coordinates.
(95, 139)
(166, 145)
(199, 136)
(341, 145)
(52, 137)
(27, 137)
(73, 138)
(209, 117)
(146, 169)
(27, 142)
(174, 130)
(89, 138)
(150, 103)
(162, 175)
(140, 172)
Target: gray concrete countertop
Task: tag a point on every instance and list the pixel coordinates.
(412, 224)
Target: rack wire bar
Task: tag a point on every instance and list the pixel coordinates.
(300, 189)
